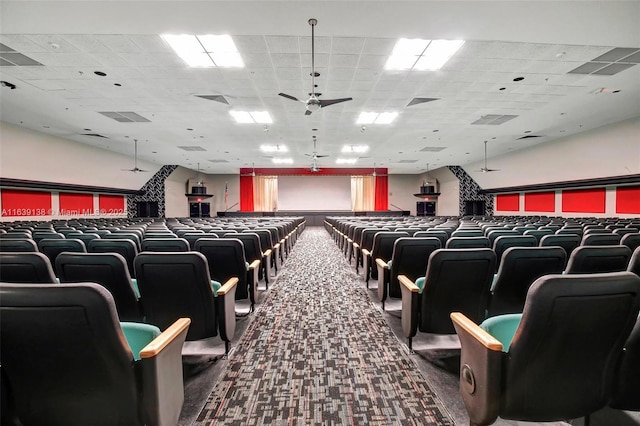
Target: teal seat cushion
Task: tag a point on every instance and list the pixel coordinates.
(139, 335)
(502, 327)
(215, 286)
(493, 282)
(134, 284)
(420, 284)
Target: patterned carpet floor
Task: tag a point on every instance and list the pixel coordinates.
(319, 352)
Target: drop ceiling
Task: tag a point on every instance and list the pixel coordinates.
(512, 78)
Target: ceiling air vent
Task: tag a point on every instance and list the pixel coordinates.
(610, 63)
(494, 119)
(407, 161)
(220, 161)
(416, 101)
(433, 148)
(11, 58)
(192, 148)
(530, 137)
(95, 135)
(125, 116)
(215, 98)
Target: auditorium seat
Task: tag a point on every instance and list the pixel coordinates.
(253, 252)
(409, 258)
(165, 244)
(382, 249)
(16, 235)
(53, 247)
(557, 360)
(365, 243)
(110, 271)
(39, 235)
(634, 262)
(124, 247)
(68, 361)
(456, 242)
(126, 236)
(538, 233)
(503, 242)
(455, 280)
(225, 259)
(267, 249)
(568, 242)
(177, 285)
(631, 240)
(600, 240)
(26, 267)
(598, 259)
(625, 389)
(85, 237)
(18, 245)
(519, 268)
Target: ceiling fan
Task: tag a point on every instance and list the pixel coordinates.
(199, 181)
(135, 156)
(315, 156)
(485, 169)
(313, 103)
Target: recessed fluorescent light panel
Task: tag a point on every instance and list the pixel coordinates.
(273, 148)
(282, 160)
(244, 117)
(346, 160)
(376, 118)
(422, 55)
(358, 149)
(202, 51)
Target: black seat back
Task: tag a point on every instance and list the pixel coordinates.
(177, 285)
(165, 244)
(519, 268)
(468, 242)
(18, 245)
(251, 244)
(65, 357)
(607, 239)
(503, 242)
(598, 259)
(107, 269)
(124, 247)
(631, 240)
(53, 247)
(568, 242)
(457, 280)
(26, 267)
(625, 390)
(410, 257)
(225, 258)
(563, 357)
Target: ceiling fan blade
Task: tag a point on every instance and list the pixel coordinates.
(320, 156)
(327, 102)
(293, 98)
(307, 112)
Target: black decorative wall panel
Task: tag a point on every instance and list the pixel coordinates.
(153, 191)
(469, 191)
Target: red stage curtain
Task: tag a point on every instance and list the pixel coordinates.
(246, 193)
(382, 194)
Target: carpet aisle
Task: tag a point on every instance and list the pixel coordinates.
(319, 352)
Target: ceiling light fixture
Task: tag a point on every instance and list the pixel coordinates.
(376, 118)
(355, 148)
(273, 148)
(202, 51)
(249, 117)
(282, 160)
(422, 55)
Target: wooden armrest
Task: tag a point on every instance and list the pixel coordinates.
(231, 282)
(254, 264)
(166, 337)
(276, 246)
(267, 253)
(381, 263)
(356, 245)
(405, 281)
(474, 330)
(366, 252)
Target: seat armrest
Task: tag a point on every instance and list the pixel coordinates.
(162, 380)
(480, 370)
(254, 265)
(226, 309)
(383, 279)
(366, 252)
(266, 253)
(410, 306)
(356, 245)
(382, 264)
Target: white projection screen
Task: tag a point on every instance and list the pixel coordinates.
(314, 193)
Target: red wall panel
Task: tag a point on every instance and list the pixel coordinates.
(246, 193)
(381, 198)
(540, 202)
(75, 204)
(584, 200)
(111, 204)
(17, 202)
(628, 199)
(508, 202)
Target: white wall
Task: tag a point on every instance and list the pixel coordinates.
(612, 150)
(449, 200)
(401, 190)
(29, 155)
(177, 204)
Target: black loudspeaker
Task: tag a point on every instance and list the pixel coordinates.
(147, 209)
(426, 208)
(474, 208)
(199, 209)
(428, 189)
(198, 189)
